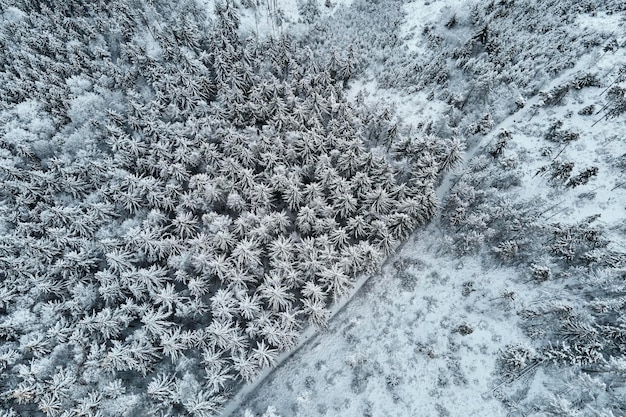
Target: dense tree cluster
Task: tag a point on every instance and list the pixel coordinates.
(501, 44)
(175, 201)
(479, 211)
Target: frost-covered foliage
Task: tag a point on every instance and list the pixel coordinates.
(175, 201)
(478, 57)
(478, 211)
(501, 207)
(504, 42)
(367, 29)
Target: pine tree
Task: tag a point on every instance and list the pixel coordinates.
(217, 378)
(263, 355)
(204, 404)
(246, 253)
(246, 367)
(173, 343)
(223, 305)
(162, 388)
(275, 293)
(155, 321)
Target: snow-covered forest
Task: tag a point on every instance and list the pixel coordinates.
(312, 208)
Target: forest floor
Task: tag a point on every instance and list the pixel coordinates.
(424, 336)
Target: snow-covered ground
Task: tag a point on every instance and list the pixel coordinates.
(419, 339)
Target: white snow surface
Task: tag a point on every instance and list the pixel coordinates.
(396, 349)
